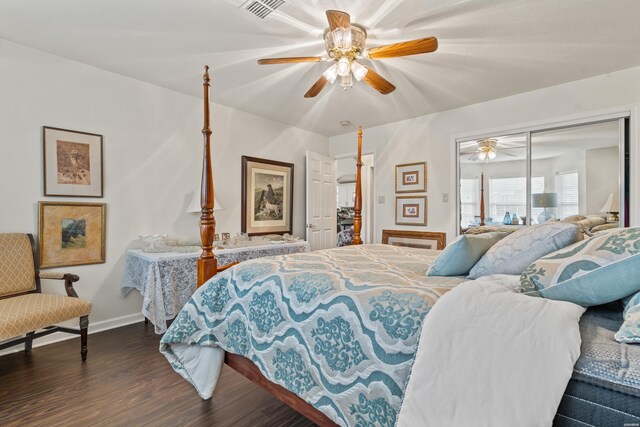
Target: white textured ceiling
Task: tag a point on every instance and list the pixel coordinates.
(487, 49)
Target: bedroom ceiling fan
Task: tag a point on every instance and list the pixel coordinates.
(488, 150)
(345, 44)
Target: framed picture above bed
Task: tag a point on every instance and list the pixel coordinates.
(267, 196)
(72, 163)
(411, 178)
(71, 233)
(411, 210)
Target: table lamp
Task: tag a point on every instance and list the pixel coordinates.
(612, 207)
(194, 205)
(544, 200)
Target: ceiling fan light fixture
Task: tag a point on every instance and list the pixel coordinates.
(331, 73)
(482, 155)
(358, 70)
(342, 38)
(344, 67)
(491, 154)
(346, 81)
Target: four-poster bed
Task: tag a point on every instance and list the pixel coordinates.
(343, 337)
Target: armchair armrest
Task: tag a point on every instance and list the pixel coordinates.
(68, 278)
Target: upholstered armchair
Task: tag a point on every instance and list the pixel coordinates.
(25, 312)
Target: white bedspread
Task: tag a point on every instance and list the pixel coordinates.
(489, 356)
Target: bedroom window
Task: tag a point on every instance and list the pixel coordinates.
(510, 195)
(469, 200)
(568, 191)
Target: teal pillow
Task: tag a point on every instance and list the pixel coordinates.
(458, 257)
(629, 332)
(599, 270)
(516, 251)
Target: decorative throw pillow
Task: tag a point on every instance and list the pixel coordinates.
(603, 227)
(516, 251)
(601, 269)
(629, 332)
(458, 257)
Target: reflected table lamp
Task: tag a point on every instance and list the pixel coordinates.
(612, 208)
(544, 200)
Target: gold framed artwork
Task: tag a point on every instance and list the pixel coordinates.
(411, 210)
(267, 196)
(411, 177)
(71, 233)
(72, 163)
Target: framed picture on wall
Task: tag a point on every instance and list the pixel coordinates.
(411, 178)
(72, 163)
(411, 210)
(415, 239)
(71, 233)
(267, 196)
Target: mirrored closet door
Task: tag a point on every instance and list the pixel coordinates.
(574, 172)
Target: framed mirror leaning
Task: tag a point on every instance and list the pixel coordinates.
(577, 172)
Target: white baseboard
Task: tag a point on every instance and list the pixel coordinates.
(96, 327)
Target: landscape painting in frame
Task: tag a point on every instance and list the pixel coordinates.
(411, 210)
(72, 163)
(267, 196)
(71, 233)
(411, 178)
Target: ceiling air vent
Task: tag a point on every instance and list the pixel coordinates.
(262, 8)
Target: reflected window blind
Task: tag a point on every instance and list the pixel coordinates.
(568, 193)
(469, 201)
(510, 195)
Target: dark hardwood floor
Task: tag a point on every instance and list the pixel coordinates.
(125, 382)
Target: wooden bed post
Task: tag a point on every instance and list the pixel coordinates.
(482, 199)
(207, 264)
(357, 205)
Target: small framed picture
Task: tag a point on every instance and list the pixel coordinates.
(411, 178)
(71, 233)
(72, 163)
(411, 210)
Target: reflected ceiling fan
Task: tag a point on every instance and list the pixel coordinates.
(488, 150)
(345, 44)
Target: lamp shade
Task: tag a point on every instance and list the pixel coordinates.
(612, 204)
(544, 200)
(194, 205)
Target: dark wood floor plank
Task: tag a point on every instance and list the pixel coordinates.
(125, 381)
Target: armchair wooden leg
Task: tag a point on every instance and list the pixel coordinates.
(84, 325)
(29, 341)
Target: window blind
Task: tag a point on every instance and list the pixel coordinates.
(510, 195)
(469, 200)
(568, 193)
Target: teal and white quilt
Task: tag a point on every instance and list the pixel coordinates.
(338, 327)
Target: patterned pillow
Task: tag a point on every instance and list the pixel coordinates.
(489, 229)
(458, 257)
(629, 332)
(515, 252)
(599, 270)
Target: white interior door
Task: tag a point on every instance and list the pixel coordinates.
(321, 201)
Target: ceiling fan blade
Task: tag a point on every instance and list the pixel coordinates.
(316, 88)
(474, 157)
(290, 60)
(378, 82)
(338, 19)
(411, 47)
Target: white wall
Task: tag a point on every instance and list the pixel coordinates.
(431, 138)
(152, 159)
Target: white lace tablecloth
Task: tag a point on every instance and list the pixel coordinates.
(167, 280)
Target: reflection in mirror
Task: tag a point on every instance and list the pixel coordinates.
(497, 168)
(580, 169)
